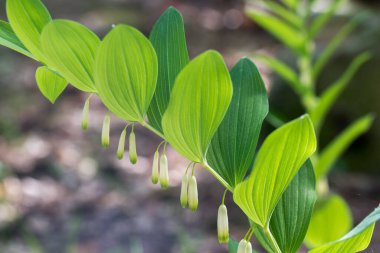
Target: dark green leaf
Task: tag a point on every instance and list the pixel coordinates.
(233, 146)
(9, 39)
(169, 41)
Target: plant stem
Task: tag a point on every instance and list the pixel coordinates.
(149, 127)
(217, 176)
(272, 240)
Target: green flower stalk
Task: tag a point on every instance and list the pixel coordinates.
(155, 168)
(85, 113)
(121, 146)
(106, 131)
(164, 171)
(223, 233)
(243, 244)
(193, 194)
(184, 190)
(132, 147)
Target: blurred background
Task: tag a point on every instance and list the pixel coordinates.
(61, 192)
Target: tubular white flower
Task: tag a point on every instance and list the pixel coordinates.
(132, 147)
(106, 131)
(193, 194)
(155, 168)
(242, 246)
(121, 146)
(248, 248)
(85, 113)
(184, 190)
(164, 171)
(223, 233)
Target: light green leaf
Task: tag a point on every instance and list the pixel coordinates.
(356, 240)
(335, 149)
(126, 73)
(331, 219)
(319, 23)
(291, 217)
(27, 19)
(283, 71)
(278, 161)
(319, 113)
(168, 39)
(233, 146)
(199, 100)
(331, 48)
(278, 28)
(292, 3)
(9, 39)
(50, 83)
(70, 49)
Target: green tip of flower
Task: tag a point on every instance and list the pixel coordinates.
(164, 184)
(154, 179)
(133, 159)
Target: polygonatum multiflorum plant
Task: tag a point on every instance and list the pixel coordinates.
(294, 23)
(210, 115)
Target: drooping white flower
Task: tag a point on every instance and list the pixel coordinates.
(121, 146)
(184, 190)
(164, 171)
(223, 230)
(242, 246)
(132, 147)
(155, 168)
(193, 194)
(106, 131)
(85, 113)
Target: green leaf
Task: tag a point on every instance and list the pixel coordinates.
(169, 41)
(327, 99)
(126, 73)
(335, 149)
(199, 100)
(27, 19)
(327, 53)
(50, 84)
(291, 217)
(331, 219)
(356, 240)
(278, 161)
(70, 49)
(283, 71)
(292, 3)
(319, 23)
(9, 39)
(233, 146)
(278, 28)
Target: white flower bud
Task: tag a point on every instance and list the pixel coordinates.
(193, 194)
(164, 172)
(184, 190)
(223, 233)
(155, 168)
(132, 148)
(85, 113)
(242, 246)
(121, 147)
(106, 131)
(248, 248)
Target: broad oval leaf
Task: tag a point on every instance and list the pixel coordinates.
(169, 41)
(9, 39)
(233, 146)
(70, 49)
(356, 240)
(27, 19)
(331, 219)
(291, 217)
(278, 161)
(199, 100)
(50, 83)
(126, 72)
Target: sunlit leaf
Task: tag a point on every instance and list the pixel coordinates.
(283, 71)
(328, 98)
(27, 19)
(168, 39)
(356, 240)
(233, 146)
(278, 161)
(278, 28)
(336, 148)
(331, 219)
(198, 102)
(291, 217)
(126, 72)
(70, 49)
(9, 39)
(50, 83)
